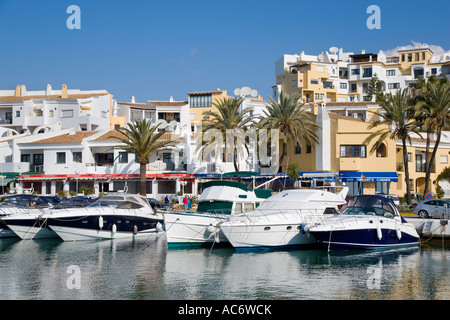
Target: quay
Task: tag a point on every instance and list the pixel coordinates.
(430, 228)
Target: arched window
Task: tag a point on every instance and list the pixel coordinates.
(381, 151)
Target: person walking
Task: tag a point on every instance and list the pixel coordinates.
(185, 201)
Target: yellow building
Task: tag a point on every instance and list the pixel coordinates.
(202, 101)
(341, 155)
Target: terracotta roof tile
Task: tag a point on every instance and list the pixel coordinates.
(51, 97)
(77, 137)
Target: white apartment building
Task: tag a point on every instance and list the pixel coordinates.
(338, 76)
(23, 111)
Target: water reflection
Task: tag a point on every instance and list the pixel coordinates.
(146, 269)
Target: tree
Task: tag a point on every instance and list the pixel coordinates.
(433, 109)
(142, 138)
(292, 120)
(231, 124)
(397, 119)
(374, 88)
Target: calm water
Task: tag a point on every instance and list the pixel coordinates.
(146, 269)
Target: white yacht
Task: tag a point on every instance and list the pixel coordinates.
(219, 200)
(110, 217)
(279, 221)
(21, 217)
(368, 222)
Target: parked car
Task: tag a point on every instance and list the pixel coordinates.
(434, 208)
(156, 205)
(394, 198)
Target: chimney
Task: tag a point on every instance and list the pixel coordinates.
(49, 91)
(171, 99)
(133, 100)
(18, 91)
(363, 51)
(64, 94)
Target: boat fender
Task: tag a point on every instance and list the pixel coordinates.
(114, 228)
(159, 226)
(135, 229)
(211, 229)
(379, 233)
(304, 228)
(100, 222)
(399, 232)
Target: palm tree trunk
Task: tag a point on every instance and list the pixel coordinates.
(143, 179)
(427, 164)
(405, 164)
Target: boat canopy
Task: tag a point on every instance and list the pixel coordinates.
(370, 205)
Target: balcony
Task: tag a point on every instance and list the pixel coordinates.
(15, 167)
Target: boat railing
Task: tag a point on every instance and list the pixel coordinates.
(286, 214)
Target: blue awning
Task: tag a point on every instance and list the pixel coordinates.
(347, 176)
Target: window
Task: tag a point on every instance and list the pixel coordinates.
(308, 148)
(355, 72)
(298, 149)
(367, 72)
(77, 157)
(25, 158)
(420, 164)
(123, 157)
(417, 56)
(66, 113)
(423, 55)
(403, 57)
(433, 70)
(60, 157)
(343, 85)
(38, 159)
(17, 114)
(409, 57)
(353, 87)
(294, 83)
(409, 157)
(353, 151)
(50, 113)
(200, 101)
(390, 72)
(443, 158)
(394, 85)
(318, 96)
(104, 159)
(314, 81)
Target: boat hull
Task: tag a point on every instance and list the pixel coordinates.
(95, 227)
(29, 228)
(255, 236)
(365, 239)
(193, 229)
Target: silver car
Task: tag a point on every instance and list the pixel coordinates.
(434, 208)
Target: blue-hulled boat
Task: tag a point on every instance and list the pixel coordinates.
(368, 222)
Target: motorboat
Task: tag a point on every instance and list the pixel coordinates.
(217, 202)
(367, 222)
(20, 217)
(279, 221)
(110, 217)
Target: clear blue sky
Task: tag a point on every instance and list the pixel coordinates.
(158, 49)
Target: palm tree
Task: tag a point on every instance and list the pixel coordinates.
(293, 121)
(231, 124)
(397, 118)
(433, 108)
(142, 138)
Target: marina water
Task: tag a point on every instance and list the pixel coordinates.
(148, 269)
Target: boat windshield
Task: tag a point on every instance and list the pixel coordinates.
(372, 206)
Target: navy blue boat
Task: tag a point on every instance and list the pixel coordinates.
(368, 222)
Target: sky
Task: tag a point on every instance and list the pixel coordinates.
(157, 49)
